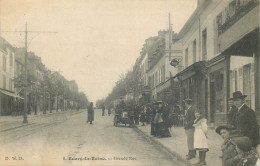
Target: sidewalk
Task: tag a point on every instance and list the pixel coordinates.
(177, 145)
(13, 122)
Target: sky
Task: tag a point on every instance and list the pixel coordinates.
(96, 41)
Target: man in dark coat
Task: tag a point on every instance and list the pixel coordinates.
(103, 110)
(189, 129)
(231, 116)
(246, 121)
(90, 113)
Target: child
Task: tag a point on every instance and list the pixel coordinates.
(200, 137)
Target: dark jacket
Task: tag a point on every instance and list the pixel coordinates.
(189, 118)
(231, 116)
(247, 124)
(90, 113)
(232, 147)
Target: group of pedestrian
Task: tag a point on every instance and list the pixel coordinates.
(145, 116)
(240, 134)
(159, 121)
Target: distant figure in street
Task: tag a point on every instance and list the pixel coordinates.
(246, 121)
(109, 111)
(148, 113)
(142, 117)
(153, 113)
(103, 110)
(231, 116)
(200, 135)
(90, 113)
(237, 150)
(189, 129)
(136, 114)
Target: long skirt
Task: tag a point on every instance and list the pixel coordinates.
(162, 130)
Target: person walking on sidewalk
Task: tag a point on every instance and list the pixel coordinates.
(200, 136)
(90, 113)
(189, 129)
(103, 110)
(246, 121)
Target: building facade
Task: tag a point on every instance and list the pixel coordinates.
(221, 56)
(7, 93)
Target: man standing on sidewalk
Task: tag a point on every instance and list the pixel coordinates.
(189, 129)
(246, 121)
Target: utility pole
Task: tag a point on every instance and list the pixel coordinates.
(25, 88)
(25, 66)
(170, 36)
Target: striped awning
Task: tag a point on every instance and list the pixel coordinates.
(10, 94)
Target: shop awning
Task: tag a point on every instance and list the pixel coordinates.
(10, 94)
(191, 70)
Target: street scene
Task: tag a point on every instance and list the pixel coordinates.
(131, 82)
(68, 140)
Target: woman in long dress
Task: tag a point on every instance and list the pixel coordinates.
(200, 137)
(90, 113)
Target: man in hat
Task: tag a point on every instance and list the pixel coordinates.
(245, 121)
(189, 129)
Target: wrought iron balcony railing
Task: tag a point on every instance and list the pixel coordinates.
(242, 7)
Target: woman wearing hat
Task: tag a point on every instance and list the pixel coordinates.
(235, 148)
(245, 121)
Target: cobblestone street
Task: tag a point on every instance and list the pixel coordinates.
(72, 141)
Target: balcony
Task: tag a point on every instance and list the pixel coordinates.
(237, 9)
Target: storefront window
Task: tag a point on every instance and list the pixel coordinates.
(217, 92)
(242, 78)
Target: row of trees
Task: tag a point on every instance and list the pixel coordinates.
(52, 87)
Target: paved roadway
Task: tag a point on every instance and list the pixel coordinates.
(75, 142)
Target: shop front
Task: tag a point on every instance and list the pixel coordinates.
(193, 85)
(10, 103)
(217, 89)
(235, 69)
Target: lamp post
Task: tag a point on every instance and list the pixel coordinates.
(175, 62)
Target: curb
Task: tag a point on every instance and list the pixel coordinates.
(174, 153)
(23, 125)
(28, 124)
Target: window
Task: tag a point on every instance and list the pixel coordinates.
(4, 63)
(160, 78)
(163, 73)
(204, 44)
(194, 51)
(152, 83)
(156, 78)
(186, 57)
(4, 82)
(10, 85)
(11, 59)
(219, 21)
(149, 82)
